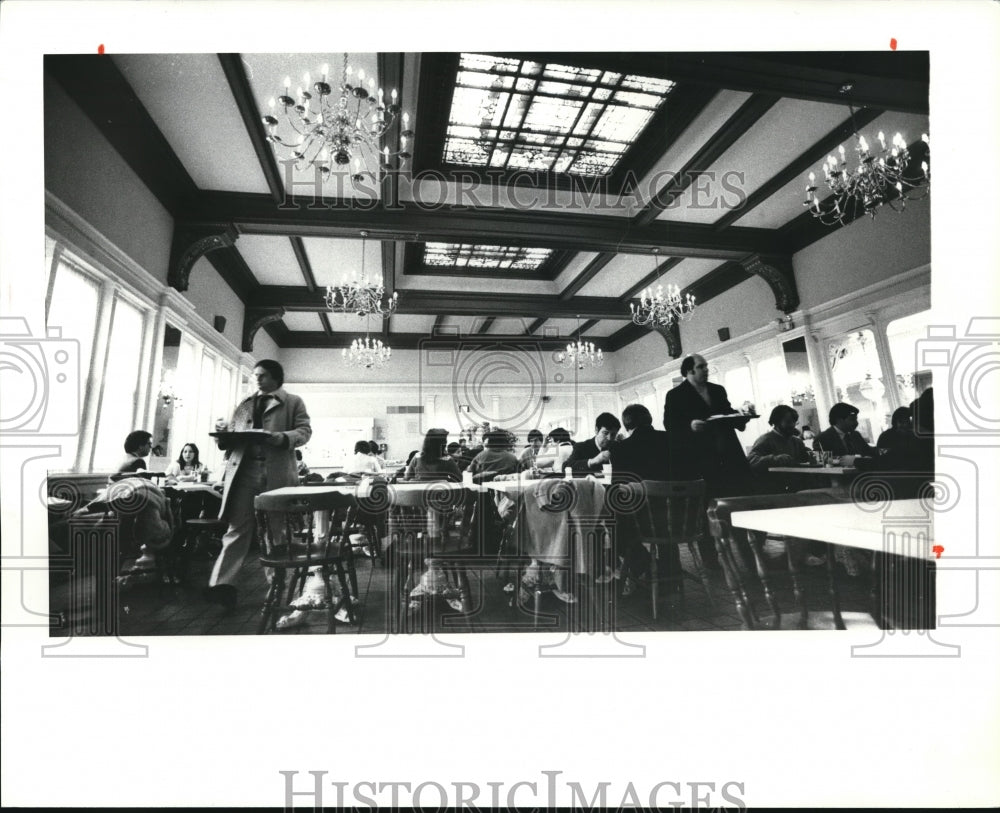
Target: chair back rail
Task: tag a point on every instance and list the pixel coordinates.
(730, 540)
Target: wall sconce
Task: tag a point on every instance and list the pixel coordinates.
(785, 323)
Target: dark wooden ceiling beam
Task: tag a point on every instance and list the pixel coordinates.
(650, 278)
(536, 325)
(588, 325)
(484, 328)
(801, 165)
(239, 85)
(94, 82)
(736, 126)
(390, 75)
(257, 214)
(593, 268)
(455, 303)
(415, 341)
(897, 80)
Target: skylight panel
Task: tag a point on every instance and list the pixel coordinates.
(514, 114)
(462, 255)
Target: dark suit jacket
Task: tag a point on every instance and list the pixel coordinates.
(582, 452)
(715, 455)
(643, 455)
(830, 441)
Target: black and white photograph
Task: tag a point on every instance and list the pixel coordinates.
(546, 390)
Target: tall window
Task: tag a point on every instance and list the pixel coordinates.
(773, 384)
(739, 386)
(903, 335)
(117, 412)
(73, 309)
(857, 379)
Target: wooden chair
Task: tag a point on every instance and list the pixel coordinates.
(430, 534)
(727, 540)
(296, 535)
(672, 514)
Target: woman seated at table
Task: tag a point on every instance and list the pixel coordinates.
(431, 463)
(376, 453)
(187, 468)
(364, 461)
(495, 459)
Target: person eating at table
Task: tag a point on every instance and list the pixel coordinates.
(591, 454)
(781, 446)
(700, 449)
(530, 452)
(842, 437)
(899, 434)
(254, 466)
(495, 459)
(187, 468)
(557, 450)
(138, 444)
(641, 455)
(431, 463)
(364, 461)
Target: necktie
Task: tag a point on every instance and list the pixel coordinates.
(258, 410)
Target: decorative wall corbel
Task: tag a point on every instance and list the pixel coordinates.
(254, 319)
(672, 336)
(776, 271)
(192, 242)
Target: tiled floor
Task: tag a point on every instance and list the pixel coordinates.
(163, 609)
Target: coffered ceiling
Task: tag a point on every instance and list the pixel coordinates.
(710, 187)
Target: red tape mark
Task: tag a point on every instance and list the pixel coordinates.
(892, 43)
(100, 48)
(938, 550)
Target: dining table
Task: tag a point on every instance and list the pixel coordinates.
(899, 532)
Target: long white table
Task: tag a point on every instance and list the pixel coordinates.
(850, 524)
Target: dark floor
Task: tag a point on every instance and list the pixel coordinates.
(168, 609)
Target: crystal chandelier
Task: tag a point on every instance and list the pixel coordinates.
(879, 177)
(359, 294)
(662, 308)
(347, 126)
(580, 354)
(367, 352)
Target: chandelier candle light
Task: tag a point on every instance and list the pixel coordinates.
(580, 354)
(347, 126)
(879, 177)
(359, 294)
(660, 309)
(367, 353)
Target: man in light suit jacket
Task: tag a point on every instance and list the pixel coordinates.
(255, 467)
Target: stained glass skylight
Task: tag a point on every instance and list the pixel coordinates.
(515, 114)
(461, 255)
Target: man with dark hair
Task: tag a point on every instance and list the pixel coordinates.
(591, 454)
(640, 456)
(643, 454)
(781, 446)
(255, 466)
(842, 437)
(704, 449)
(535, 441)
(138, 444)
